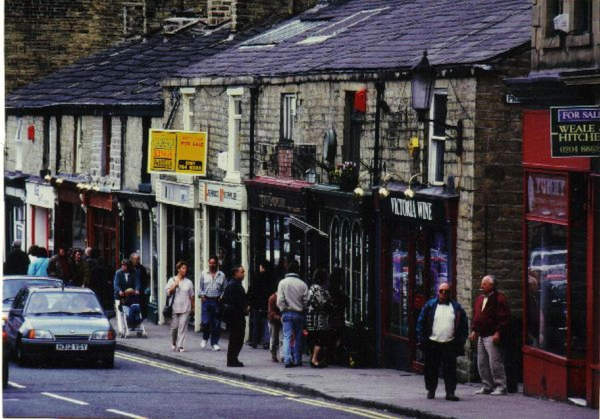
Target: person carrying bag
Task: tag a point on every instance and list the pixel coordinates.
(181, 290)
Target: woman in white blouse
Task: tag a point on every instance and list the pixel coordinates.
(183, 305)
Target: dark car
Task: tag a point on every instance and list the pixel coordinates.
(4, 357)
(11, 284)
(67, 323)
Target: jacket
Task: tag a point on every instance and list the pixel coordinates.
(121, 283)
(274, 315)
(235, 300)
(495, 317)
(425, 324)
(292, 294)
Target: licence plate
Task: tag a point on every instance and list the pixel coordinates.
(71, 346)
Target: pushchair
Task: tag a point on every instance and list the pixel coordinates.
(132, 321)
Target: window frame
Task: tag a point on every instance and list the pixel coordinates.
(436, 141)
(287, 117)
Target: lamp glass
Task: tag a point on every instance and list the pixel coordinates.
(311, 176)
(422, 86)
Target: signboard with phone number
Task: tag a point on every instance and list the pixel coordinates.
(181, 152)
(575, 132)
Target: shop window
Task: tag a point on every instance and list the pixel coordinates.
(437, 137)
(398, 323)
(288, 114)
(180, 238)
(353, 121)
(106, 144)
(224, 237)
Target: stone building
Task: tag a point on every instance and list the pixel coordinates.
(296, 112)
(561, 204)
(77, 142)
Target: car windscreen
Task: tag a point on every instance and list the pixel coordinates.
(11, 287)
(62, 303)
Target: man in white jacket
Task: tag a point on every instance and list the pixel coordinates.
(292, 297)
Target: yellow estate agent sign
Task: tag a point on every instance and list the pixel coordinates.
(177, 152)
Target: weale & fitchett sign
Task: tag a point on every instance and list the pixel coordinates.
(575, 132)
(182, 152)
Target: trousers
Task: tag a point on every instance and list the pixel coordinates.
(490, 362)
(437, 354)
(179, 328)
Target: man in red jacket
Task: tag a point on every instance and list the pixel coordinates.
(489, 327)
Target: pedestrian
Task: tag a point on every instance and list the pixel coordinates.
(235, 303)
(491, 319)
(32, 253)
(275, 335)
(141, 273)
(39, 267)
(292, 297)
(442, 331)
(318, 318)
(181, 289)
(60, 266)
(17, 261)
(212, 286)
(81, 270)
(340, 303)
(261, 288)
(123, 280)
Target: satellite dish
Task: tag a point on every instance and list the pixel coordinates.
(329, 146)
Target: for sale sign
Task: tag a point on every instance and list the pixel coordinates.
(575, 132)
(182, 152)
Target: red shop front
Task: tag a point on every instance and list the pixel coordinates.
(561, 283)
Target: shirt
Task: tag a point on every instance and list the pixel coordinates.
(443, 324)
(183, 295)
(212, 287)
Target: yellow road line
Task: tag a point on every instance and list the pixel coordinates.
(350, 409)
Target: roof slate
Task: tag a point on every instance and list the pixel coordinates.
(454, 32)
(127, 74)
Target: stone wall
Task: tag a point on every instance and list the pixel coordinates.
(246, 12)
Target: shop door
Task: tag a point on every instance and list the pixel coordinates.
(105, 236)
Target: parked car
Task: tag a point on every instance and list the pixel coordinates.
(11, 284)
(68, 323)
(5, 352)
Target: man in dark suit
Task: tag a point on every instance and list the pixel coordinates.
(17, 260)
(235, 306)
(442, 331)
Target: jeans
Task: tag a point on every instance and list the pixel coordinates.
(211, 321)
(259, 328)
(293, 324)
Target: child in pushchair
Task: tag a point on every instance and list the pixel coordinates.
(132, 314)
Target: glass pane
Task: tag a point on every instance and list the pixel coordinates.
(440, 102)
(547, 195)
(578, 259)
(547, 287)
(399, 286)
(439, 261)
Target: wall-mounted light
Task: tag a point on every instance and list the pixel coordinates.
(359, 192)
(48, 178)
(422, 87)
(409, 193)
(311, 175)
(59, 181)
(383, 190)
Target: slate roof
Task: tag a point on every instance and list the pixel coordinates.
(127, 74)
(454, 32)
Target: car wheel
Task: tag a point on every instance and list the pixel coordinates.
(21, 357)
(109, 362)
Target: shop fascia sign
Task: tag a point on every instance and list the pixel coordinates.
(417, 209)
(39, 195)
(180, 152)
(575, 131)
(223, 195)
(177, 194)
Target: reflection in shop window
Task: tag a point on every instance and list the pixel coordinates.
(399, 288)
(547, 287)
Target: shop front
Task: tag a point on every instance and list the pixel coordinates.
(103, 226)
(418, 242)
(14, 196)
(179, 236)
(278, 229)
(71, 220)
(41, 202)
(560, 352)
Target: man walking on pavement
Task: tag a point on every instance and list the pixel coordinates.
(212, 286)
(292, 299)
(235, 305)
(490, 322)
(442, 332)
(17, 261)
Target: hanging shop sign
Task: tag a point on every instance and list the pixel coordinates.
(575, 131)
(223, 195)
(181, 152)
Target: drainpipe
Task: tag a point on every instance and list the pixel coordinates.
(253, 103)
(378, 293)
(380, 87)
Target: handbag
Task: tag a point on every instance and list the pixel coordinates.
(168, 310)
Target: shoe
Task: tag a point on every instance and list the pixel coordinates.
(266, 346)
(299, 364)
(313, 365)
(452, 398)
(274, 359)
(181, 349)
(498, 392)
(203, 343)
(252, 344)
(431, 395)
(235, 364)
(216, 347)
(173, 347)
(484, 390)
(289, 365)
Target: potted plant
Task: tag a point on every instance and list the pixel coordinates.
(346, 175)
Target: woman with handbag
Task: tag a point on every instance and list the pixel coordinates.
(181, 290)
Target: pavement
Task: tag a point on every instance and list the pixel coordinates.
(397, 392)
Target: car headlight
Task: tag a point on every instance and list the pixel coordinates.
(40, 334)
(103, 335)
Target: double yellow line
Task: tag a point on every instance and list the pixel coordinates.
(272, 392)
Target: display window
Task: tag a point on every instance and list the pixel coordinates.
(180, 238)
(225, 242)
(556, 226)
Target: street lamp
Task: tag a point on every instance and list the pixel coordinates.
(422, 87)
